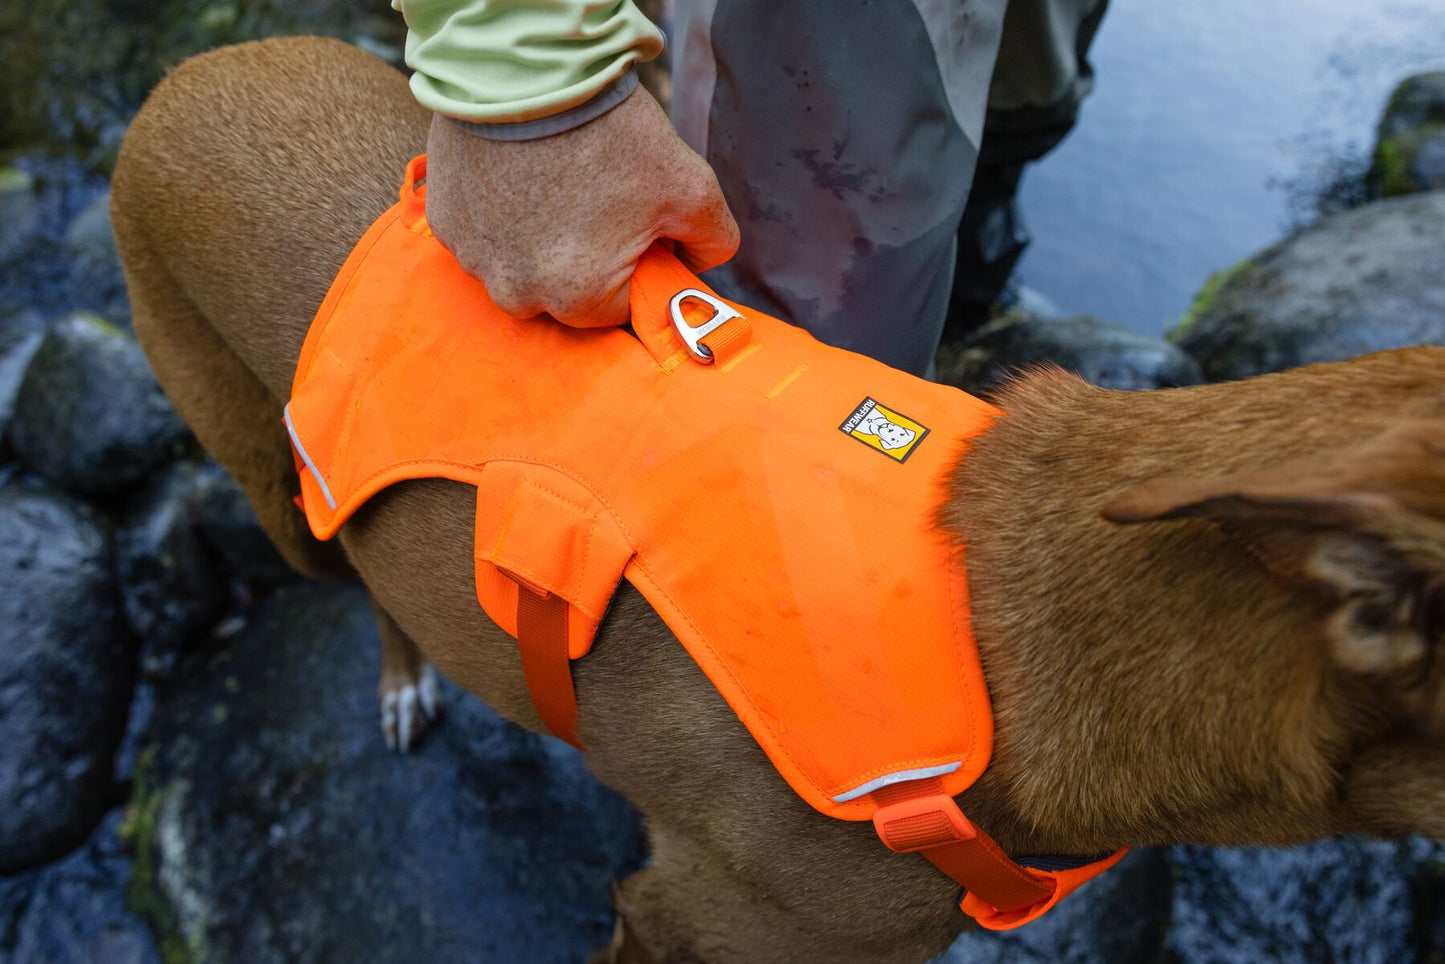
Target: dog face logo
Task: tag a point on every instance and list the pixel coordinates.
(893, 434)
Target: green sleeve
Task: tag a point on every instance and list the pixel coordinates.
(501, 61)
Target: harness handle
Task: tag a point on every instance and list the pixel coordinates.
(667, 299)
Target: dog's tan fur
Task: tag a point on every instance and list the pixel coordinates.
(1243, 654)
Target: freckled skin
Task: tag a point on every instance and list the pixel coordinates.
(1110, 645)
(556, 225)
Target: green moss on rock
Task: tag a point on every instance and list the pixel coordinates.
(141, 835)
(1204, 298)
(1395, 156)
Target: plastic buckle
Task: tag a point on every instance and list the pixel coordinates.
(922, 823)
(694, 334)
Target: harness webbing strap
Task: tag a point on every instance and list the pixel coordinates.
(542, 641)
(918, 817)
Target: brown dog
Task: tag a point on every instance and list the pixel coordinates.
(1205, 615)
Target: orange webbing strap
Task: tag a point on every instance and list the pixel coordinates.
(542, 640)
(728, 341)
(918, 817)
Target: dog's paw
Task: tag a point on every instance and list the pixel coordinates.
(407, 706)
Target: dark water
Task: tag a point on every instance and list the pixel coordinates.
(1210, 127)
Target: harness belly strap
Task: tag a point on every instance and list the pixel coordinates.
(775, 500)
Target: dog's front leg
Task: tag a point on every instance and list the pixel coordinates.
(407, 691)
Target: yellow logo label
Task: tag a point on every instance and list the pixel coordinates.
(892, 433)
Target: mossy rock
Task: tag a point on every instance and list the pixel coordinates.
(1409, 151)
(1214, 284)
(1359, 281)
(1411, 161)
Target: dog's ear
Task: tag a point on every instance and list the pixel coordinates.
(1365, 524)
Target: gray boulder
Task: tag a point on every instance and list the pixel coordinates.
(19, 209)
(1410, 144)
(97, 282)
(230, 526)
(90, 416)
(74, 910)
(66, 667)
(272, 824)
(169, 578)
(1357, 282)
(1107, 355)
(20, 335)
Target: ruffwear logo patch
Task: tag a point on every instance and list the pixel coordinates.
(892, 433)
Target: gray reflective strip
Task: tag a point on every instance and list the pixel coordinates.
(902, 776)
(296, 441)
(608, 98)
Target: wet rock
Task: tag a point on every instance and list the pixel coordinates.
(74, 911)
(97, 282)
(110, 53)
(1410, 144)
(169, 578)
(1346, 900)
(20, 335)
(66, 666)
(232, 529)
(19, 209)
(271, 823)
(1105, 354)
(90, 416)
(1359, 281)
(1414, 103)
(1120, 916)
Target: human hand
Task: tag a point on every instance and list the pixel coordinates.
(557, 224)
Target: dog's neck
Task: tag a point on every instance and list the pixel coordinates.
(1143, 679)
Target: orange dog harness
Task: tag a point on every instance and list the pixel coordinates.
(775, 500)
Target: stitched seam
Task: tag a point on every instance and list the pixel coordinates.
(318, 329)
(778, 389)
(737, 359)
(472, 467)
(591, 516)
(652, 311)
(1009, 867)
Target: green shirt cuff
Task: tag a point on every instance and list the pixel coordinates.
(504, 61)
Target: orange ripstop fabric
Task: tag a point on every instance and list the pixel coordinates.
(776, 506)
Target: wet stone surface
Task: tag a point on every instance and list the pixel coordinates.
(230, 526)
(90, 416)
(169, 578)
(97, 281)
(66, 668)
(20, 336)
(1361, 281)
(74, 910)
(272, 824)
(1107, 355)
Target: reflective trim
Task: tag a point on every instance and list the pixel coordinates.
(301, 450)
(888, 779)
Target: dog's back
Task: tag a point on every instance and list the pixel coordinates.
(197, 195)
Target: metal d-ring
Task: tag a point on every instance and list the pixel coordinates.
(694, 334)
